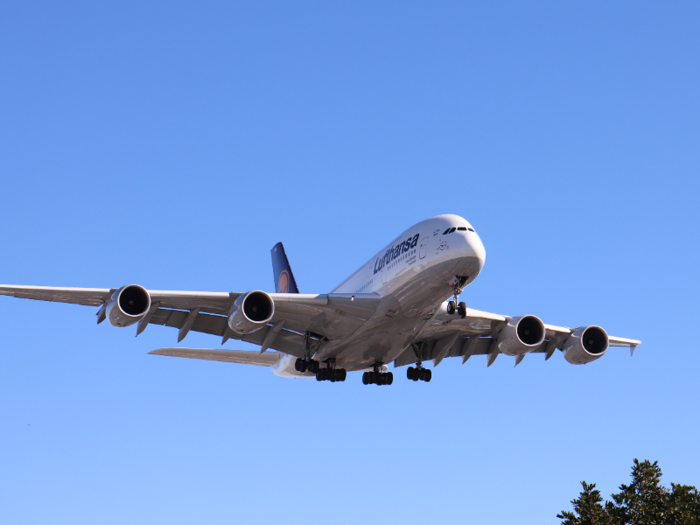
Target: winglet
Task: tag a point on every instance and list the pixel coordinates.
(632, 347)
(282, 272)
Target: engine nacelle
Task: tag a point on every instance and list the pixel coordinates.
(252, 312)
(585, 345)
(521, 335)
(128, 305)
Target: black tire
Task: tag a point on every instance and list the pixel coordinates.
(318, 377)
(428, 375)
(462, 310)
(343, 374)
(451, 307)
(365, 378)
(409, 373)
(389, 378)
(297, 364)
(313, 367)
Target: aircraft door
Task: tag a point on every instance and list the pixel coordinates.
(424, 247)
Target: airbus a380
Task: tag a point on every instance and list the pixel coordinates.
(402, 307)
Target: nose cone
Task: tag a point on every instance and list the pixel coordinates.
(477, 247)
(472, 256)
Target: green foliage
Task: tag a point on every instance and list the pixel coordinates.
(587, 508)
(645, 501)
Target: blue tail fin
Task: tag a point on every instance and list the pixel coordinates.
(282, 272)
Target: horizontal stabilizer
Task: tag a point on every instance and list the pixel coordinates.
(228, 356)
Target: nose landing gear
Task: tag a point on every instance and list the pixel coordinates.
(455, 306)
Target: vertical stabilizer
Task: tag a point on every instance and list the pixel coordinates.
(282, 272)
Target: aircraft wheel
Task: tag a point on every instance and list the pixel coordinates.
(365, 378)
(462, 310)
(389, 378)
(451, 307)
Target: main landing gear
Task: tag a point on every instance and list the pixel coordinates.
(330, 373)
(419, 373)
(376, 377)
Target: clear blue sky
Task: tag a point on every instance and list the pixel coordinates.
(171, 144)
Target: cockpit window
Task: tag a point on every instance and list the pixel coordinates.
(462, 228)
(452, 230)
(471, 230)
(446, 231)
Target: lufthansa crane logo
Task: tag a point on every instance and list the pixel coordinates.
(283, 283)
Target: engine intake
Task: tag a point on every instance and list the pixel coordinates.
(252, 312)
(585, 345)
(521, 335)
(128, 305)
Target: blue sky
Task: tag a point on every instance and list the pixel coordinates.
(173, 144)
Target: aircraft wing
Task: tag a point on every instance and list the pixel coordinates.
(476, 334)
(226, 356)
(206, 301)
(328, 316)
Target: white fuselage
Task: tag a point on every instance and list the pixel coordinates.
(414, 275)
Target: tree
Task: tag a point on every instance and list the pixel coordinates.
(645, 501)
(587, 508)
(683, 506)
(642, 502)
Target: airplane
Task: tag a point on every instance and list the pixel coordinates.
(402, 307)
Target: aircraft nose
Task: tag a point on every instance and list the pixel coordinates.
(477, 247)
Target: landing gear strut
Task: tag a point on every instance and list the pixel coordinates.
(419, 373)
(376, 377)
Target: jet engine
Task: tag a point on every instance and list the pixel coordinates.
(128, 305)
(585, 345)
(252, 311)
(521, 335)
